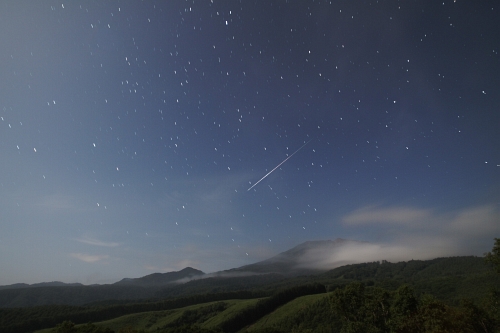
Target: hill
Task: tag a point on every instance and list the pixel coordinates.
(161, 279)
(302, 264)
(297, 265)
(448, 279)
(38, 285)
(306, 308)
(78, 294)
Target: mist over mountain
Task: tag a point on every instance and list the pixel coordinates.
(309, 261)
(161, 279)
(321, 255)
(310, 257)
(306, 258)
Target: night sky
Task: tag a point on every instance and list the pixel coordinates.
(131, 133)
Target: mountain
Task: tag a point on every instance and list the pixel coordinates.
(151, 280)
(161, 279)
(450, 280)
(146, 287)
(310, 257)
(38, 285)
(332, 263)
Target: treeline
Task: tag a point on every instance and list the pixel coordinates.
(70, 295)
(266, 282)
(378, 310)
(412, 270)
(192, 319)
(355, 308)
(30, 319)
(85, 295)
(446, 278)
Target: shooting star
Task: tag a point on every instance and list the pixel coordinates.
(276, 167)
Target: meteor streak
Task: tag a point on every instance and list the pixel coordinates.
(276, 167)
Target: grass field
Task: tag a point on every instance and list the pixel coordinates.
(444, 279)
(150, 321)
(285, 311)
(234, 307)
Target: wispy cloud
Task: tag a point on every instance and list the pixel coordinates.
(96, 242)
(88, 257)
(475, 221)
(391, 215)
(409, 233)
(216, 275)
(359, 252)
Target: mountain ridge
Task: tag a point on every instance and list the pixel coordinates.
(40, 285)
(150, 280)
(309, 257)
(425, 275)
(292, 262)
(285, 263)
(323, 261)
(160, 279)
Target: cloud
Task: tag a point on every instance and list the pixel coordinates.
(216, 275)
(391, 215)
(96, 242)
(358, 252)
(406, 233)
(88, 257)
(475, 221)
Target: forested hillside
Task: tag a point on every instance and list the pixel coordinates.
(445, 290)
(352, 308)
(447, 278)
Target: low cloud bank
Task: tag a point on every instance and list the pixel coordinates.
(358, 252)
(410, 233)
(223, 274)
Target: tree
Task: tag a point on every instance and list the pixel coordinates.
(404, 311)
(493, 303)
(493, 257)
(477, 318)
(360, 312)
(66, 327)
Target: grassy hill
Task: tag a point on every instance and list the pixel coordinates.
(272, 302)
(323, 313)
(286, 314)
(206, 315)
(445, 277)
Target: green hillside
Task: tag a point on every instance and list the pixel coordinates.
(207, 315)
(353, 308)
(285, 314)
(455, 289)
